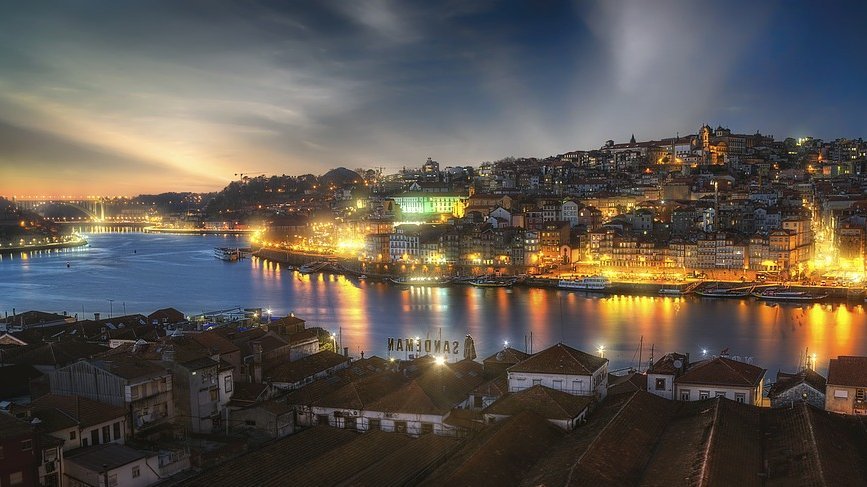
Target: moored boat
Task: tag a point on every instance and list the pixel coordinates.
(227, 254)
(672, 291)
(737, 293)
(421, 281)
(493, 282)
(788, 295)
(592, 283)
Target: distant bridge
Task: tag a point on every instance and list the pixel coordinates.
(94, 208)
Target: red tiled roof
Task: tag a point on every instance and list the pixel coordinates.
(548, 403)
(560, 359)
(84, 411)
(787, 381)
(847, 370)
(304, 367)
(507, 355)
(723, 371)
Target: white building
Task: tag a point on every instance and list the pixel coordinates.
(721, 377)
(563, 368)
(119, 466)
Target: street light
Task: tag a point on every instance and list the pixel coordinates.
(601, 350)
(334, 342)
(110, 308)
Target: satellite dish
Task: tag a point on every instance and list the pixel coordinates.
(678, 363)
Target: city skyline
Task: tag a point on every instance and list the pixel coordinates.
(122, 100)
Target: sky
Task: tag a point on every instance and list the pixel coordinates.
(122, 98)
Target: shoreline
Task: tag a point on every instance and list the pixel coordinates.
(197, 231)
(346, 267)
(49, 246)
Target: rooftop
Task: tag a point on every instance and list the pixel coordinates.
(560, 359)
(106, 456)
(723, 371)
(848, 370)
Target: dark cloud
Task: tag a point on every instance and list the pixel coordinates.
(203, 89)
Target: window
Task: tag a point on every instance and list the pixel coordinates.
(26, 445)
(85, 442)
(321, 419)
(350, 423)
(94, 436)
(684, 395)
(703, 395)
(477, 401)
(136, 471)
(250, 422)
(228, 381)
(859, 395)
(72, 435)
(740, 397)
(374, 424)
(400, 426)
(426, 428)
(214, 394)
(558, 384)
(134, 391)
(16, 478)
(112, 480)
(660, 384)
(106, 434)
(116, 427)
(719, 394)
(537, 382)
(841, 393)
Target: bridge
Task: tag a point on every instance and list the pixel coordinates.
(94, 208)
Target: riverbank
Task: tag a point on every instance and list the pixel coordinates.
(355, 268)
(46, 246)
(198, 231)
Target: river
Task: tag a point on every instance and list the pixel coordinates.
(139, 273)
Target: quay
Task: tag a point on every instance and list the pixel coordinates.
(44, 246)
(354, 268)
(200, 231)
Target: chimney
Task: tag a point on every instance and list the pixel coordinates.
(168, 354)
(257, 361)
(362, 355)
(686, 362)
(95, 316)
(346, 351)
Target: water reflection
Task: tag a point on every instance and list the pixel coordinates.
(149, 271)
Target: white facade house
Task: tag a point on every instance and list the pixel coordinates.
(562, 368)
(569, 212)
(846, 389)
(78, 421)
(661, 375)
(721, 377)
(119, 465)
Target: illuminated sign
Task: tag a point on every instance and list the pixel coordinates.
(423, 345)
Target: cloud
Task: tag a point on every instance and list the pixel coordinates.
(192, 92)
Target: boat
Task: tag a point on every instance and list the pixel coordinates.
(738, 293)
(672, 291)
(362, 277)
(227, 254)
(245, 252)
(788, 295)
(493, 282)
(592, 283)
(421, 281)
(311, 267)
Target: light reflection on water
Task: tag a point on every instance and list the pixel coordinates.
(146, 272)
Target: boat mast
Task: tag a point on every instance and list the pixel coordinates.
(640, 347)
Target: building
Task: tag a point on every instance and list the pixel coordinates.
(116, 465)
(562, 368)
(721, 377)
(28, 457)
(661, 375)
(140, 387)
(805, 386)
(846, 389)
(560, 408)
(78, 421)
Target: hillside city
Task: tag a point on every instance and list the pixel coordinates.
(246, 397)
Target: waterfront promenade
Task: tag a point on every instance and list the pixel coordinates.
(13, 248)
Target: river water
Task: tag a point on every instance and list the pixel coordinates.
(139, 273)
